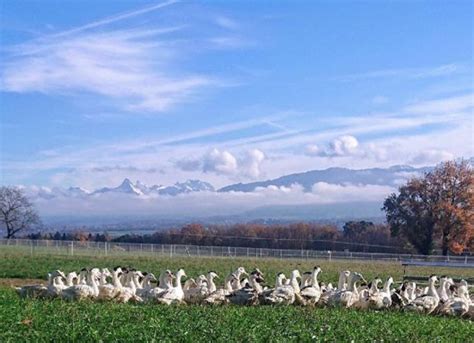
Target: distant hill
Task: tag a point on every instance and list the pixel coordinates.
(392, 176)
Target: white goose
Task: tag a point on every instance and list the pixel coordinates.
(382, 299)
(248, 295)
(109, 291)
(82, 291)
(444, 283)
(366, 292)
(293, 282)
(282, 294)
(127, 293)
(40, 291)
(347, 297)
(174, 294)
(56, 288)
(165, 283)
(456, 305)
(146, 286)
(238, 274)
(219, 296)
(71, 279)
(426, 303)
(312, 293)
(197, 292)
(330, 291)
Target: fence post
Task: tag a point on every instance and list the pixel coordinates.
(31, 247)
(105, 248)
(72, 248)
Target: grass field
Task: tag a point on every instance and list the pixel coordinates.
(40, 320)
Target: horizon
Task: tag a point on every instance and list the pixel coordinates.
(230, 93)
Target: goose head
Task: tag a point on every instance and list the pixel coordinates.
(258, 274)
(201, 280)
(295, 274)
(357, 277)
(258, 271)
(211, 275)
(240, 271)
(180, 273)
(71, 277)
(57, 273)
(317, 270)
(432, 279)
(150, 277)
(280, 278)
(376, 282)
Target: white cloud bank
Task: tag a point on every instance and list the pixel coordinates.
(210, 203)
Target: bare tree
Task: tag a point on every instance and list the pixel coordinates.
(16, 211)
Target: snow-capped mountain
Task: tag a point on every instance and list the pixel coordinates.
(392, 176)
(125, 187)
(186, 187)
(74, 192)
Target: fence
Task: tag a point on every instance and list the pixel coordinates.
(88, 248)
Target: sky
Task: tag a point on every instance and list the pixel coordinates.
(92, 92)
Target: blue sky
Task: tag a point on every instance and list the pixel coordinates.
(92, 92)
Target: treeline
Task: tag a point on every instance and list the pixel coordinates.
(355, 236)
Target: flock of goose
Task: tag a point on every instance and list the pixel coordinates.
(242, 288)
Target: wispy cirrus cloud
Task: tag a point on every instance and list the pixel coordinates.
(138, 68)
(132, 67)
(115, 18)
(407, 73)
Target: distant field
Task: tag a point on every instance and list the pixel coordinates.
(38, 320)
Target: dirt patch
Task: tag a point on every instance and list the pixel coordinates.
(12, 282)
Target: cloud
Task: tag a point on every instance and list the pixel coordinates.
(116, 18)
(341, 146)
(408, 73)
(312, 150)
(132, 67)
(131, 169)
(431, 156)
(453, 104)
(210, 203)
(252, 162)
(224, 162)
(221, 162)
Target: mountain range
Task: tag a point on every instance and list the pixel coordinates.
(392, 176)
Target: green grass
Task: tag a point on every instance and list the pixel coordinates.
(37, 320)
(43, 320)
(25, 266)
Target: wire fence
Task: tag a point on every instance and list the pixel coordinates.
(89, 248)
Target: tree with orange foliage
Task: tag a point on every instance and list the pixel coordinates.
(436, 210)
